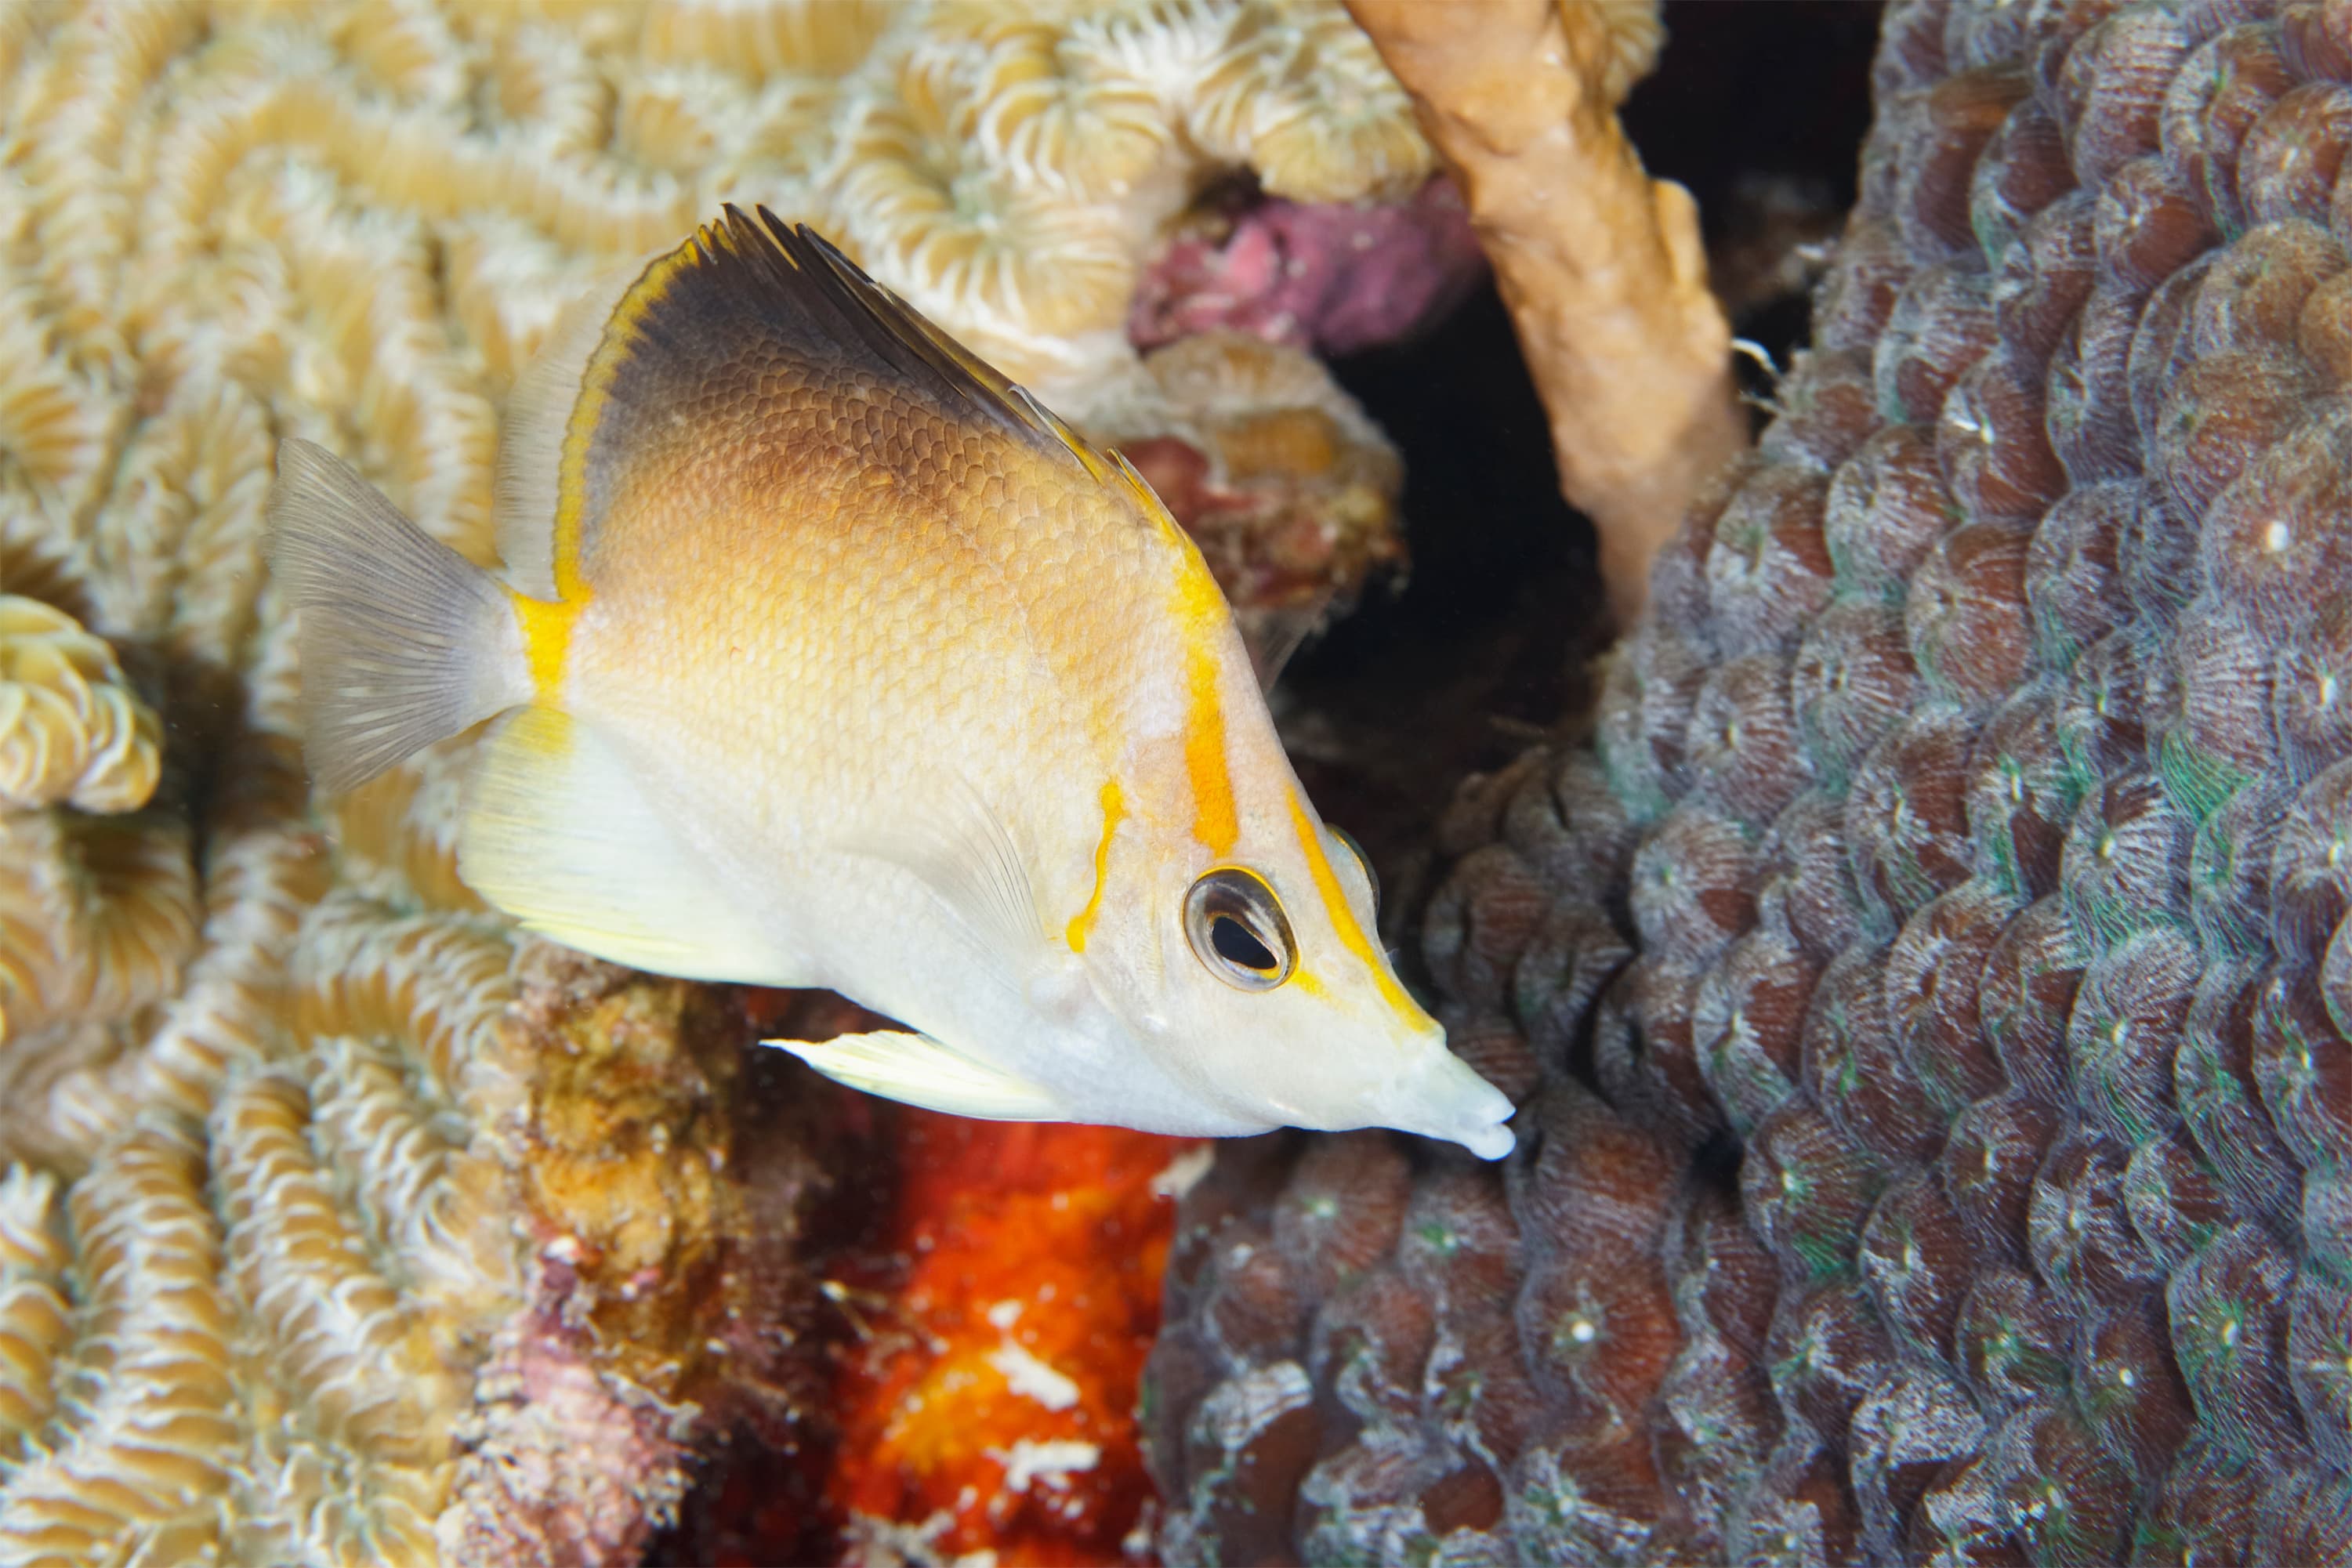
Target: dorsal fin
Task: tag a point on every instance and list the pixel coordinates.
(745, 291)
(539, 412)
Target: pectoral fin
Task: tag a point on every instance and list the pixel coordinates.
(967, 855)
(920, 1070)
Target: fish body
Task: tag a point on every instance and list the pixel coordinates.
(827, 657)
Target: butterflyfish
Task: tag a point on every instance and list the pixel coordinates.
(824, 656)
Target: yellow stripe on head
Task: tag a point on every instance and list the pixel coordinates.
(1214, 820)
(1342, 916)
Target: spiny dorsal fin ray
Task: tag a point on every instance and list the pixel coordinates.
(974, 378)
(903, 337)
(750, 295)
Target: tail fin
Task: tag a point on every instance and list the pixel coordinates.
(403, 641)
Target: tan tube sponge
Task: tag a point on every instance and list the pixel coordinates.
(1602, 265)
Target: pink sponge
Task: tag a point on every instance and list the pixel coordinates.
(1331, 276)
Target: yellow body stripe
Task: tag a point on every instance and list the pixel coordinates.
(1114, 805)
(1343, 918)
(1214, 822)
(1201, 614)
(546, 638)
(547, 627)
(595, 389)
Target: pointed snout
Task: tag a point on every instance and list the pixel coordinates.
(1445, 1098)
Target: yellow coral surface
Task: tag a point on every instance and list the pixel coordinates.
(342, 1227)
(70, 730)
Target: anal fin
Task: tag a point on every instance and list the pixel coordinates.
(920, 1070)
(558, 833)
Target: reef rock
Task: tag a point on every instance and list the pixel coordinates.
(1927, 993)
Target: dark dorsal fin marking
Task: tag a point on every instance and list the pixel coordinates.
(747, 285)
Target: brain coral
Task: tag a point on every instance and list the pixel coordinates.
(1928, 993)
(342, 1225)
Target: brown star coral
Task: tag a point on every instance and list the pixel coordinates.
(1960, 850)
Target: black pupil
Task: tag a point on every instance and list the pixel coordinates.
(1235, 944)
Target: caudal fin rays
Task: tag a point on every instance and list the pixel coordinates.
(403, 641)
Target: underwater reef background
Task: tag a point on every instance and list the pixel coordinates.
(1927, 981)
(1919, 952)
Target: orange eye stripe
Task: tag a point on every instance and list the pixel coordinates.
(1343, 919)
(1214, 821)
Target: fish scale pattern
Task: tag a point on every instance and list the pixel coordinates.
(1949, 912)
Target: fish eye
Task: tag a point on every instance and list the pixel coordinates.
(1238, 930)
(1371, 877)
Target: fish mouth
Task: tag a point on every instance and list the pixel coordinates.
(1449, 1100)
